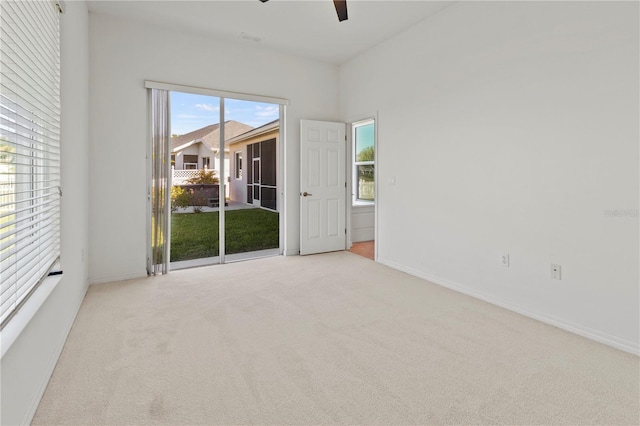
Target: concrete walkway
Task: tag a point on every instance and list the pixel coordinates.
(233, 205)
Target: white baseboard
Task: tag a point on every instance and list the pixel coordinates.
(103, 279)
(598, 336)
(359, 235)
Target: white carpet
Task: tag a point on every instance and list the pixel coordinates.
(326, 339)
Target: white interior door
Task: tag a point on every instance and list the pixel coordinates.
(322, 187)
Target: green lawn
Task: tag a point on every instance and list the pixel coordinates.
(195, 235)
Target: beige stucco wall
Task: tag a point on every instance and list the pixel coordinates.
(238, 187)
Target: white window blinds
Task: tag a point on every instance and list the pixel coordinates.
(29, 148)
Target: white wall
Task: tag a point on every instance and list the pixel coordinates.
(362, 223)
(512, 127)
(123, 55)
(28, 364)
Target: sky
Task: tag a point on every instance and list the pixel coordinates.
(191, 112)
(364, 137)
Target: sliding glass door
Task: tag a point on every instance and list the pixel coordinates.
(195, 179)
(252, 219)
(220, 184)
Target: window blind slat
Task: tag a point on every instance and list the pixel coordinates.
(15, 252)
(23, 79)
(21, 143)
(31, 49)
(30, 262)
(28, 265)
(13, 298)
(31, 210)
(47, 189)
(26, 126)
(19, 281)
(11, 102)
(14, 227)
(12, 245)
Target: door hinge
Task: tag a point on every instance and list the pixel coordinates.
(345, 231)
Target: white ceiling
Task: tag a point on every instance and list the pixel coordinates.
(308, 28)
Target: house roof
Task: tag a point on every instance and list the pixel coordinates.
(265, 128)
(209, 135)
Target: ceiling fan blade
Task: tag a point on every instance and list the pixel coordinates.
(341, 9)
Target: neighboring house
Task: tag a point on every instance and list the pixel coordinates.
(255, 160)
(201, 149)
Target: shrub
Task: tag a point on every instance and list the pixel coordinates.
(179, 198)
(204, 177)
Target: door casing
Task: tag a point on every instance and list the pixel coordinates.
(323, 186)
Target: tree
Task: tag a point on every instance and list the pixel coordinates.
(366, 154)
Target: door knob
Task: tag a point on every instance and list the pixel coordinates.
(306, 194)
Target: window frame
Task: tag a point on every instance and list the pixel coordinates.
(356, 201)
(237, 158)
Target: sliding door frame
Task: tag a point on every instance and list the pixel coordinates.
(222, 95)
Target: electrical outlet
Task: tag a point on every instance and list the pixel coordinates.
(504, 259)
(556, 272)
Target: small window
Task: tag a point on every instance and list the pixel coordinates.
(190, 162)
(190, 158)
(238, 158)
(364, 161)
(206, 162)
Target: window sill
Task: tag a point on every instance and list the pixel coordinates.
(364, 204)
(11, 332)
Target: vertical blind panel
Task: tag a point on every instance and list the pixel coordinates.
(160, 176)
(29, 148)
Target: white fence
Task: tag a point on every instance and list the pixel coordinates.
(366, 190)
(180, 177)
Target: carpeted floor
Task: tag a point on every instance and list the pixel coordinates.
(325, 339)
